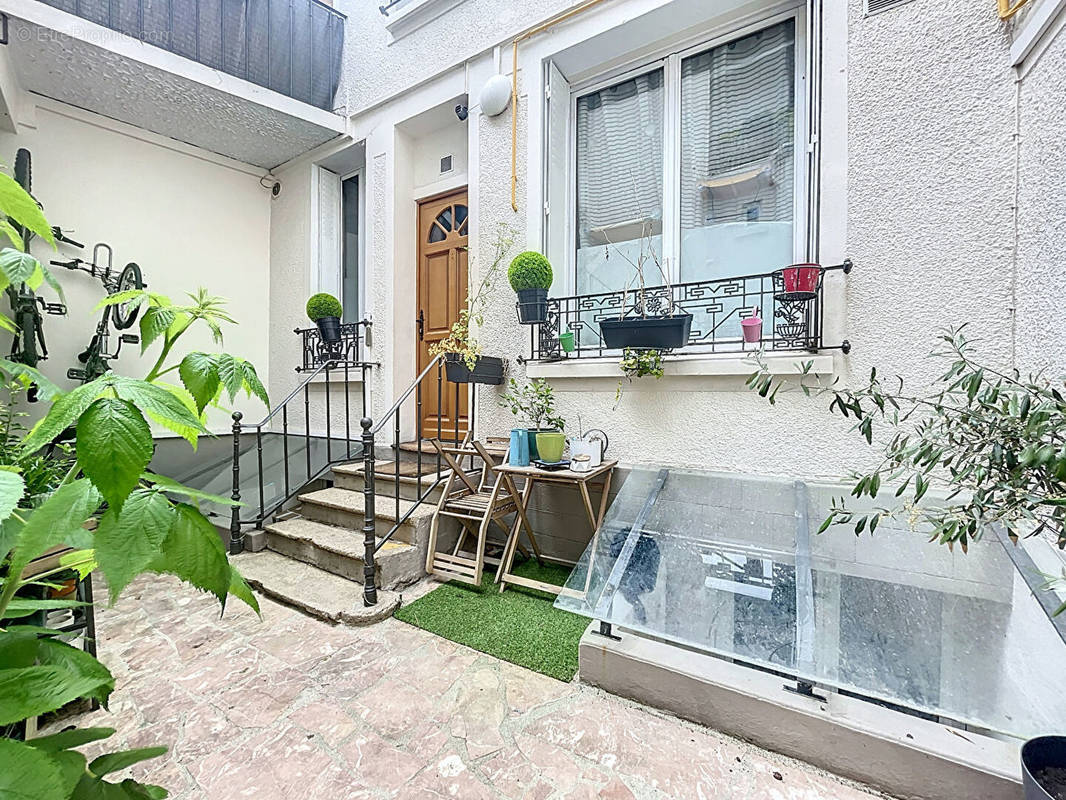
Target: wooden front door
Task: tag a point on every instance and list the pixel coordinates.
(442, 263)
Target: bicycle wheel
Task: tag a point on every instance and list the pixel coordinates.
(23, 169)
(123, 314)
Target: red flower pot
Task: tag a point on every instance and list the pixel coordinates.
(801, 278)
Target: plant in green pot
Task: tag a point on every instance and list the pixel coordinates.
(530, 275)
(325, 311)
(535, 403)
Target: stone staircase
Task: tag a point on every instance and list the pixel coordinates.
(313, 558)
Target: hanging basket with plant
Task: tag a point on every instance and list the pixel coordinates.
(325, 311)
(530, 275)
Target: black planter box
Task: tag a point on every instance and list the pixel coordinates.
(329, 328)
(659, 333)
(487, 369)
(532, 306)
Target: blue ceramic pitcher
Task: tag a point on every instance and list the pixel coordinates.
(519, 455)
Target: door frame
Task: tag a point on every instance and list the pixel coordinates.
(462, 189)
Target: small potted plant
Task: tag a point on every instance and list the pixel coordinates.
(638, 364)
(535, 403)
(463, 359)
(325, 311)
(651, 321)
(530, 275)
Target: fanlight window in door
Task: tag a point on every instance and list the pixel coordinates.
(452, 218)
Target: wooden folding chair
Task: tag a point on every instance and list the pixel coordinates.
(476, 501)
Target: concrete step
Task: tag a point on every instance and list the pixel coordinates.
(350, 477)
(339, 551)
(343, 508)
(314, 591)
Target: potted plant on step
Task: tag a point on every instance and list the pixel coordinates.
(530, 275)
(652, 320)
(535, 403)
(463, 359)
(325, 311)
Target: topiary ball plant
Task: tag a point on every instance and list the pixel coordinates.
(323, 305)
(530, 270)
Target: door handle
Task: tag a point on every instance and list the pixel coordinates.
(421, 320)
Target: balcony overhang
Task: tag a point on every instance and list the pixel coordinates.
(67, 58)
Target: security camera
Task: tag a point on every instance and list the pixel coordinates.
(461, 112)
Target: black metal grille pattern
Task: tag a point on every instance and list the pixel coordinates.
(348, 350)
(290, 46)
(790, 322)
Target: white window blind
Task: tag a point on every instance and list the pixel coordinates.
(619, 171)
(738, 155)
(327, 275)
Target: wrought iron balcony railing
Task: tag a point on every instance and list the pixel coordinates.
(791, 320)
(290, 46)
(349, 350)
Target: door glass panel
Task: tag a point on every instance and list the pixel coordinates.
(350, 255)
(460, 215)
(444, 219)
(436, 234)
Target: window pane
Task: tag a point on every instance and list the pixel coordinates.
(619, 183)
(350, 274)
(738, 156)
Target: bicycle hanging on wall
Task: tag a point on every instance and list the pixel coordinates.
(28, 345)
(95, 357)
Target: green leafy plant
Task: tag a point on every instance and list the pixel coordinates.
(323, 305)
(461, 341)
(534, 402)
(143, 522)
(530, 270)
(995, 439)
(638, 364)
(41, 473)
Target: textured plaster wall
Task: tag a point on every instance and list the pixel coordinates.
(1041, 339)
(185, 217)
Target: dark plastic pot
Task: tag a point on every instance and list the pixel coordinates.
(487, 369)
(659, 333)
(1039, 754)
(532, 306)
(329, 328)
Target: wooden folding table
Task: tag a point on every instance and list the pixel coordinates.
(534, 475)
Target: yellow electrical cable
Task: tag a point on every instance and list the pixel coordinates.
(573, 12)
(1006, 10)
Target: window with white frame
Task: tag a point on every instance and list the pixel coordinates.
(692, 164)
(339, 214)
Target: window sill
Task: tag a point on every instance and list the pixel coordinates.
(416, 14)
(724, 365)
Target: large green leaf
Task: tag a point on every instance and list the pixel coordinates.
(17, 649)
(29, 774)
(12, 487)
(199, 374)
(75, 737)
(193, 551)
(71, 765)
(128, 541)
(230, 374)
(26, 375)
(16, 203)
(93, 788)
(114, 446)
(52, 652)
(240, 589)
(12, 233)
(31, 691)
(158, 401)
(154, 323)
(17, 266)
(64, 412)
(252, 384)
(24, 606)
(171, 486)
(115, 762)
(63, 513)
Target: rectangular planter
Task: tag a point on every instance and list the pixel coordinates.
(487, 369)
(660, 333)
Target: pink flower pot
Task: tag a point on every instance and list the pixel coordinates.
(801, 277)
(752, 329)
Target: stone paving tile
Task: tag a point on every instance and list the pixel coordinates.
(291, 708)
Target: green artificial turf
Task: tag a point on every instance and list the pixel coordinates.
(520, 625)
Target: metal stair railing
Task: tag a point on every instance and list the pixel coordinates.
(337, 449)
(391, 420)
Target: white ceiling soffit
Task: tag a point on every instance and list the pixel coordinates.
(242, 121)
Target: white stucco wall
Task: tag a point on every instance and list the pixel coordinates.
(189, 218)
(918, 183)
